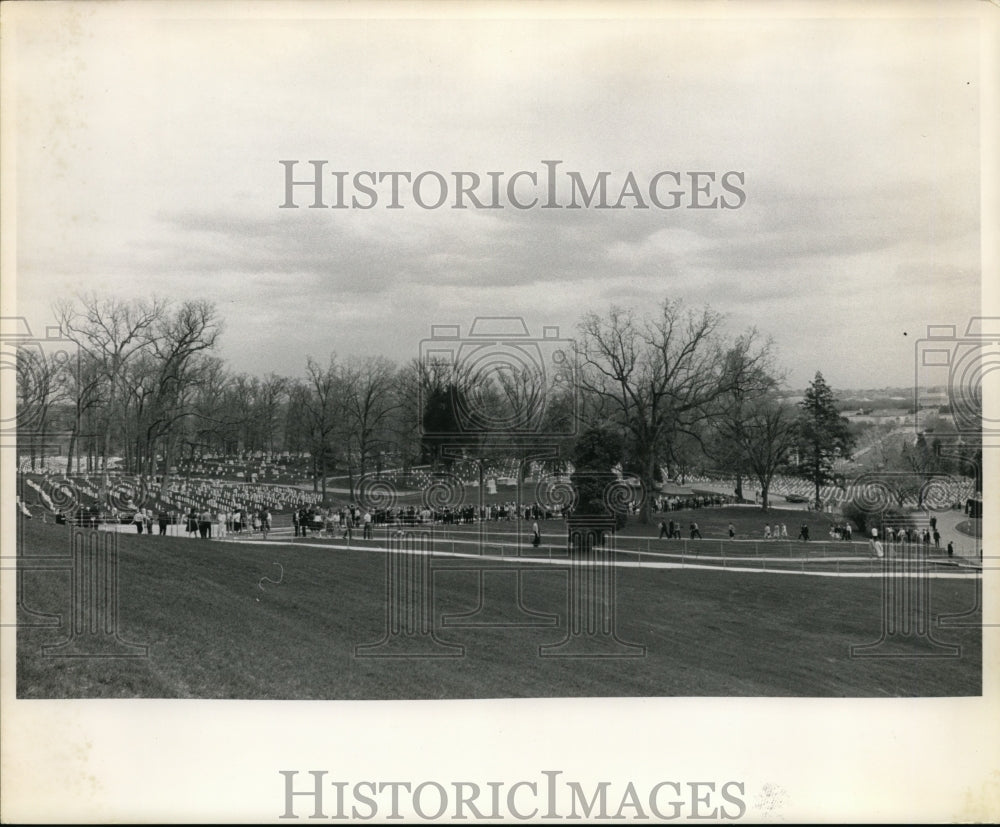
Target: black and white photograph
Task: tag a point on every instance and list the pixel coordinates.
(499, 412)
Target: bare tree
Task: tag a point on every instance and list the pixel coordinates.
(661, 375)
(183, 337)
(323, 408)
(85, 390)
(409, 387)
(114, 332)
(743, 411)
(369, 399)
(272, 391)
(42, 382)
(767, 435)
(212, 419)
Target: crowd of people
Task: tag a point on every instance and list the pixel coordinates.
(214, 507)
(685, 503)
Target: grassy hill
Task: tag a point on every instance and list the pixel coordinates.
(215, 629)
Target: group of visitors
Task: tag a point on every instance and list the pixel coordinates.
(330, 521)
(672, 530)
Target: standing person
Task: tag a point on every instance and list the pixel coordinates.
(784, 532)
(138, 520)
(951, 549)
(295, 521)
(204, 524)
(937, 538)
(162, 518)
(732, 532)
(536, 535)
(265, 522)
(663, 530)
(147, 518)
(804, 532)
(192, 522)
(767, 531)
(368, 524)
(671, 529)
(876, 546)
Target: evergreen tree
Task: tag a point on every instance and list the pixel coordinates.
(596, 452)
(823, 434)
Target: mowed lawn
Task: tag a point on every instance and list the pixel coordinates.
(215, 629)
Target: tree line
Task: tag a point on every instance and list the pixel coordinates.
(670, 389)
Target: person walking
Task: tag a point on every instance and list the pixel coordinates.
(695, 533)
(732, 532)
(536, 535)
(663, 531)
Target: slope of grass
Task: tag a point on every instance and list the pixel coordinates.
(216, 629)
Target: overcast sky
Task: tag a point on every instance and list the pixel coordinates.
(148, 154)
